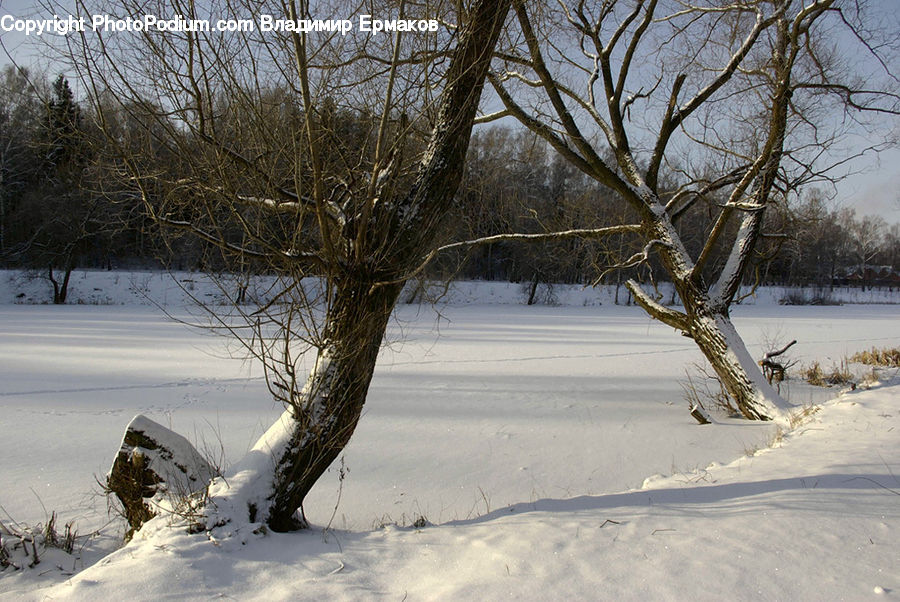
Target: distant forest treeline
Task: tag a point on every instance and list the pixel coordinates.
(64, 204)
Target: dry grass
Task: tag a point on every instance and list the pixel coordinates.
(839, 374)
(795, 419)
(802, 415)
(21, 545)
(886, 357)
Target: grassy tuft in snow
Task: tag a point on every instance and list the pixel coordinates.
(23, 546)
(802, 416)
(888, 357)
(839, 374)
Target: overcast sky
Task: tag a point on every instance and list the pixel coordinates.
(874, 188)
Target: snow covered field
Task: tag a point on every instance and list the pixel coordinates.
(523, 435)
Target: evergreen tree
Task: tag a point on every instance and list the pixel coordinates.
(60, 215)
(63, 130)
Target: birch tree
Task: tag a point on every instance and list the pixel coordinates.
(739, 101)
(267, 167)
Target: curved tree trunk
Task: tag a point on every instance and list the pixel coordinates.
(723, 347)
(332, 400)
(720, 343)
(271, 482)
(705, 317)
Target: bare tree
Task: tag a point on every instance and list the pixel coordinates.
(866, 242)
(308, 154)
(732, 101)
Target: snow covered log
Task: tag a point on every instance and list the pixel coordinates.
(154, 463)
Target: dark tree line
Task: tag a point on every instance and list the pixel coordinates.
(516, 183)
(64, 205)
(63, 202)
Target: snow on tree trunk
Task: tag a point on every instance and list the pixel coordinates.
(364, 262)
(705, 319)
(723, 347)
(271, 482)
(718, 340)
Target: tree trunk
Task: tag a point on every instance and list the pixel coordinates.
(705, 317)
(723, 347)
(60, 289)
(332, 400)
(720, 343)
(2, 217)
(55, 284)
(64, 287)
(271, 482)
(532, 290)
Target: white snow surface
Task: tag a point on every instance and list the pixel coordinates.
(549, 449)
(247, 484)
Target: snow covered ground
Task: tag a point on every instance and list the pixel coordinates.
(525, 436)
(96, 287)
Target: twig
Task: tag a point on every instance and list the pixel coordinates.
(894, 491)
(338, 569)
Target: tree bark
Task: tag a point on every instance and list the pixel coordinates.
(718, 340)
(61, 289)
(154, 464)
(532, 289)
(55, 284)
(64, 287)
(715, 335)
(329, 407)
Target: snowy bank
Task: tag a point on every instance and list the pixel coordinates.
(814, 518)
(177, 289)
(517, 430)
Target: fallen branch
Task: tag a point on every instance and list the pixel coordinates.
(772, 354)
(774, 371)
